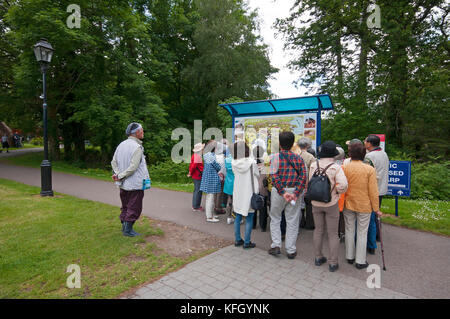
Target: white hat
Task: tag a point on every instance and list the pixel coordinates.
(198, 147)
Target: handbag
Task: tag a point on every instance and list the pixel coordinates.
(257, 200)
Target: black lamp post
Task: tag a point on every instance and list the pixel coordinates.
(44, 52)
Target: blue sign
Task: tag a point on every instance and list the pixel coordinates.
(399, 183)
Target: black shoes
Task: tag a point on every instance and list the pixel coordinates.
(361, 266)
(333, 268)
(274, 251)
(239, 243)
(249, 245)
(320, 261)
(291, 256)
(371, 251)
(358, 266)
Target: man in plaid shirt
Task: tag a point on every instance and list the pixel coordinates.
(288, 172)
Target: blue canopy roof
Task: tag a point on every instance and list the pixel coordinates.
(279, 106)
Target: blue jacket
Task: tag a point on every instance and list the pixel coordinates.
(229, 179)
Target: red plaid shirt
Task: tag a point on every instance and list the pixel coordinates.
(284, 175)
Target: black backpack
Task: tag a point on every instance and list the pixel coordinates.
(319, 186)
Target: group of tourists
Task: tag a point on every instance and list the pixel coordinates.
(244, 181)
(230, 175)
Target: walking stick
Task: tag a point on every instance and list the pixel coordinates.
(381, 242)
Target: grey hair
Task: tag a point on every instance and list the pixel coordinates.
(304, 142)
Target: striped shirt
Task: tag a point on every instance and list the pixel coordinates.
(284, 175)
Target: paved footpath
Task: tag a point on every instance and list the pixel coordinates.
(418, 263)
(232, 273)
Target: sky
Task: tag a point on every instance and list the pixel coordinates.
(269, 11)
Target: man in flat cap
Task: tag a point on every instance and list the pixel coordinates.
(131, 174)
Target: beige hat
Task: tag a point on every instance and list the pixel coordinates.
(198, 147)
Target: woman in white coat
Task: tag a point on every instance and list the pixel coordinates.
(243, 166)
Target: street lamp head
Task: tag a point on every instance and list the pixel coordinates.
(43, 51)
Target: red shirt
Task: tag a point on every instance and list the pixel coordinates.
(196, 166)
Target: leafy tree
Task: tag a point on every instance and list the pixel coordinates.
(231, 60)
(161, 63)
(382, 80)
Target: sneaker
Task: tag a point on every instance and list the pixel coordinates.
(274, 251)
(351, 261)
(239, 243)
(230, 220)
(291, 256)
(212, 220)
(333, 268)
(371, 251)
(200, 209)
(219, 211)
(249, 245)
(320, 261)
(362, 266)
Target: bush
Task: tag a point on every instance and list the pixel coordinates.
(430, 181)
(170, 172)
(39, 141)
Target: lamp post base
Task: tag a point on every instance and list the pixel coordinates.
(46, 178)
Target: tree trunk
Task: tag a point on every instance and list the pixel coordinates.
(340, 77)
(361, 93)
(80, 148)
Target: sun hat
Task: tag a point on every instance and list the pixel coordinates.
(198, 147)
(328, 149)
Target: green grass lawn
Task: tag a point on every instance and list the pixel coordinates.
(25, 145)
(432, 216)
(41, 236)
(35, 159)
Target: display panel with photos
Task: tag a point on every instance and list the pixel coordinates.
(263, 130)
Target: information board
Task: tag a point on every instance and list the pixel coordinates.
(399, 183)
(261, 129)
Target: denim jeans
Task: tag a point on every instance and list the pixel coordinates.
(197, 195)
(248, 227)
(372, 232)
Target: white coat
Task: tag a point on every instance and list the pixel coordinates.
(242, 188)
